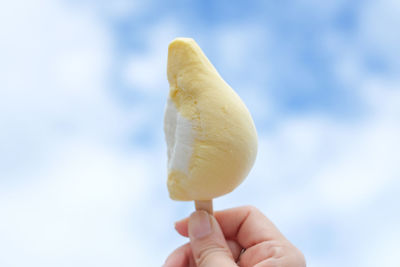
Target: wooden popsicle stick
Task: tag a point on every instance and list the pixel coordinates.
(206, 205)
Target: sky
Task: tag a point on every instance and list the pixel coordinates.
(82, 153)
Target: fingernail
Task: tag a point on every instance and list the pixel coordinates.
(199, 224)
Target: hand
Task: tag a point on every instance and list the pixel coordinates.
(235, 237)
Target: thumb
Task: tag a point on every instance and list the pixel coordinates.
(207, 241)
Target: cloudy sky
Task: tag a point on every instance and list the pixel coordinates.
(82, 155)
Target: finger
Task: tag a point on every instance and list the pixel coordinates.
(272, 253)
(284, 262)
(271, 263)
(260, 252)
(245, 224)
(235, 249)
(181, 227)
(183, 254)
(180, 257)
(209, 247)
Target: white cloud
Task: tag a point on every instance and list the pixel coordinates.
(146, 71)
(68, 191)
(378, 27)
(76, 211)
(373, 42)
(237, 44)
(55, 66)
(123, 8)
(384, 251)
(363, 167)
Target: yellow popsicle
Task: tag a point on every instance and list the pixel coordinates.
(210, 135)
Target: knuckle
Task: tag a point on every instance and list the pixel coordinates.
(273, 249)
(251, 209)
(277, 253)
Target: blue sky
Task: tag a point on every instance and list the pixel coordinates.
(82, 154)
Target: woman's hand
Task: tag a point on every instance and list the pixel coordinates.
(235, 237)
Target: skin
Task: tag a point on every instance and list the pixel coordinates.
(240, 236)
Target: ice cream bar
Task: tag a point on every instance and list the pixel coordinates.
(211, 137)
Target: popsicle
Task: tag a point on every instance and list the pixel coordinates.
(210, 134)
